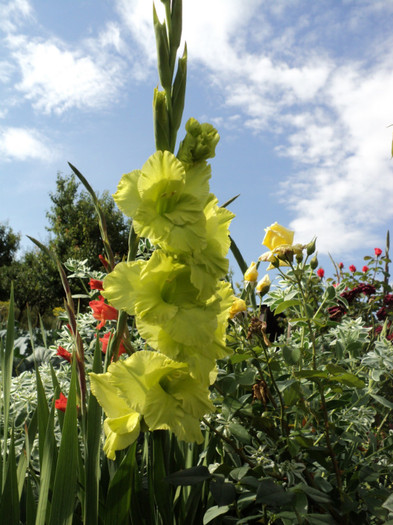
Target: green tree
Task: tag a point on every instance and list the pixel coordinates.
(9, 244)
(74, 223)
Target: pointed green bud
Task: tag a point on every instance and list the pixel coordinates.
(164, 69)
(176, 19)
(199, 143)
(314, 262)
(311, 246)
(161, 121)
(299, 257)
(178, 93)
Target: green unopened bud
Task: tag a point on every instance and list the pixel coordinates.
(311, 246)
(314, 262)
(161, 121)
(164, 69)
(299, 257)
(199, 143)
(178, 92)
(176, 18)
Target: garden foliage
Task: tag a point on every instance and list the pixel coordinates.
(172, 399)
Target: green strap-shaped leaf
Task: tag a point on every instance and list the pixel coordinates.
(64, 487)
(119, 492)
(7, 359)
(24, 458)
(9, 505)
(48, 464)
(92, 449)
(42, 413)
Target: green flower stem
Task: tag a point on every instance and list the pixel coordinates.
(328, 441)
(308, 321)
(320, 387)
(284, 428)
(121, 329)
(231, 443)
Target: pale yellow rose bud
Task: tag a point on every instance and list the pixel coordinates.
(251, 275)
(238, 306)
(263, 285)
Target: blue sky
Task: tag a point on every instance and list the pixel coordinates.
(301, 93)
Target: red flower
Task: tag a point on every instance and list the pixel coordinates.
(367, 289)
(365, 269)
(61, 403)
(95, 284)
(104, 262)
(341, 265)
(320, 273)
(377, 251)
(62, 352)
(352, 268)
(105, 341)
(336, 312)
(103, 312)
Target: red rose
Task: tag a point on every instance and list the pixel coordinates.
(320, 273)
(352, 268)
(377, 251)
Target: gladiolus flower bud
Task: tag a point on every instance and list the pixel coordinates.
(314, 262)
(251, 275)
(263, 285)
(62, 352)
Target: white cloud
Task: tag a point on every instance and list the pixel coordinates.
(24, 144)
(13, 13)
(55, 78)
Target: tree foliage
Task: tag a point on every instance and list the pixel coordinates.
(9, 244)
(74, 225)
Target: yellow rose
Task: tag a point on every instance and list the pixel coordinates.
(238, 306)
(263, 285)
(251, 275)
(276, 235)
